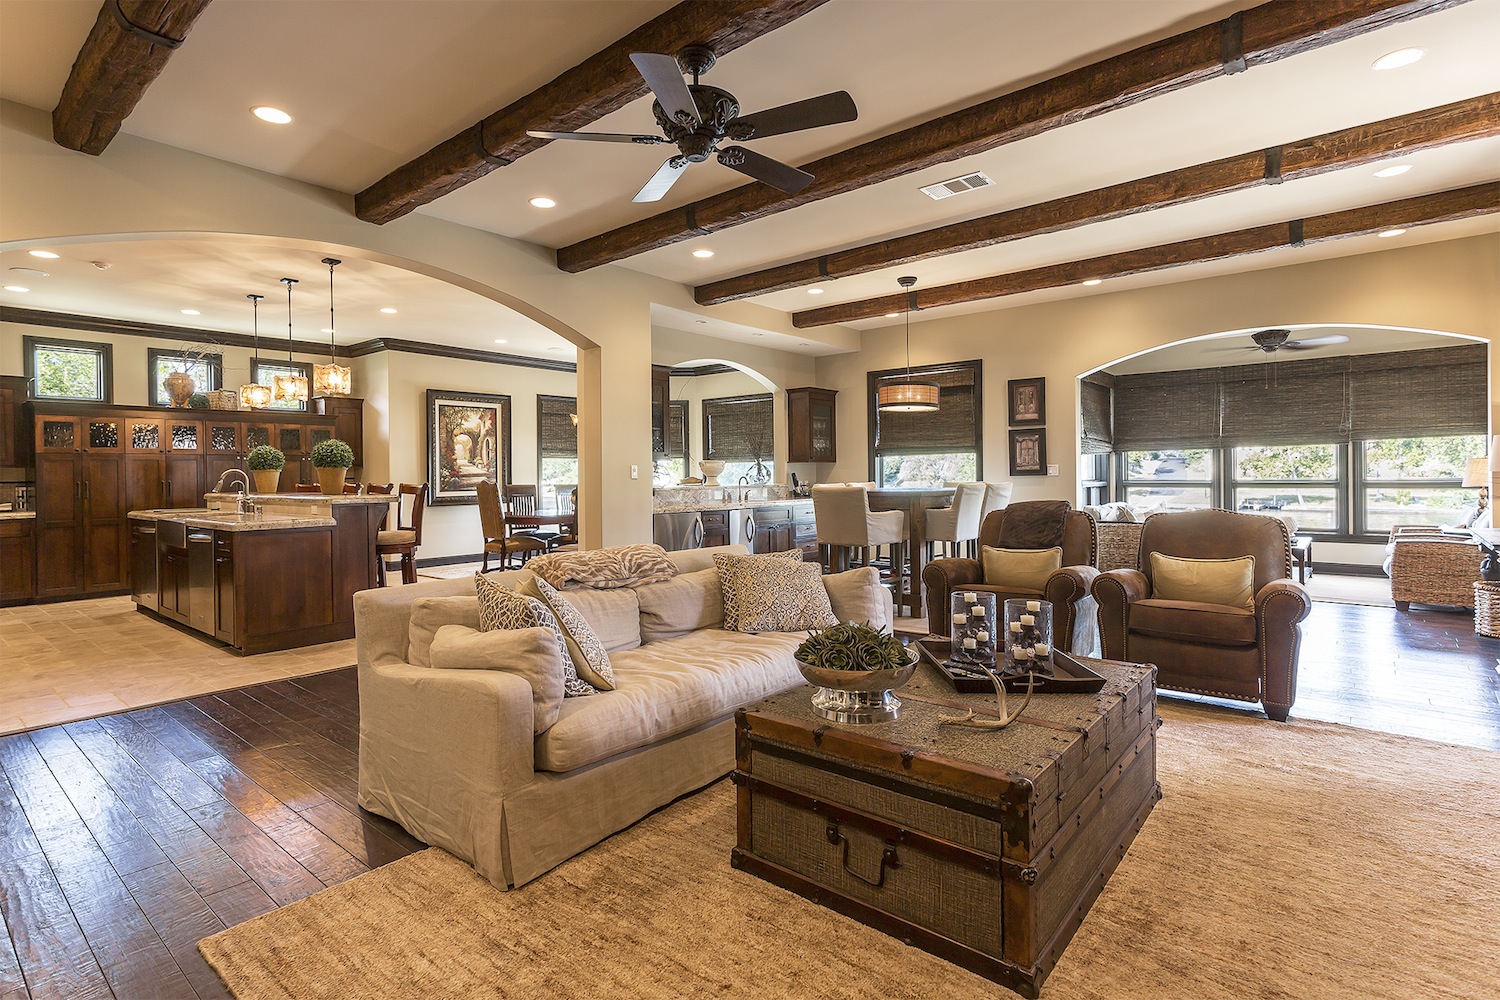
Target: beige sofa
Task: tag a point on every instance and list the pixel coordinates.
(451, 755)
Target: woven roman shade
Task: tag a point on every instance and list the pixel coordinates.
(557, 435)
(1285, 403)
(1432, 393)
(1096, 397)
(1160, 410)
(953, 428)
(738, 428)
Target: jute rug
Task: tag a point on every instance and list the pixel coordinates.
(1304, 860)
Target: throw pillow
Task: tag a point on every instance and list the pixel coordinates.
(588, 653)
(604, 569)
(530, 653)
(501, 608)
(1207, 581)
(1020, 569)
(614, 615)
(686, 603)
(1033, 524)
(777, 592)
(428, 614)
(855, 596)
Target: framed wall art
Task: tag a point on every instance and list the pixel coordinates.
(1028, 452)
(468, 441)
(1028, 401)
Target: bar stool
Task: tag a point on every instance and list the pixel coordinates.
(996, 497)
(845, 521)
(405, 537)
(959, 522)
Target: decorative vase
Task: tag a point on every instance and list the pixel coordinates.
(266, 480)
(179, 386)
(711, 469)
(1028, 636)
(857, 696)
(331, 481)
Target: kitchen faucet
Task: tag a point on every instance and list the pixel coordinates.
(243, 504)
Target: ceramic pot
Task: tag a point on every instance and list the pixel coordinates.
(711, 469)
(331, 481)
(179, 386)
(266, 480)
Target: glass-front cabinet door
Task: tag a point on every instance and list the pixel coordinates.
(256, 435)
(221, 437)
(103, 433)
(291, 439)
(184, 435)
(143, 434)
(57, 434)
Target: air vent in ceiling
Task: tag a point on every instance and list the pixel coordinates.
(958, 185)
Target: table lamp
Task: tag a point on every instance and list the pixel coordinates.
(1477, 473)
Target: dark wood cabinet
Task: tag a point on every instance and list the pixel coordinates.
(15, 440)
(812, 430)
(661, 394)
(143, 583)
(81, 532)
(348, 413)
(17, 560)
(715, 528)
(773, 529)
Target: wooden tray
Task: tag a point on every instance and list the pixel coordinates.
(1072, 677)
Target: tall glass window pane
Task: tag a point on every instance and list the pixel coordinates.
(1421, 458)
(1187, 465)
(68, 372)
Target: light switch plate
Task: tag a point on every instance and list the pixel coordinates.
(635, 472)
(1051, 470)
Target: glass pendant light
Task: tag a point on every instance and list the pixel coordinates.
(253, 395)
(908, 396)
(289, 388)
(332, 379)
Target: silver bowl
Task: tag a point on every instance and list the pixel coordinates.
(858, 696)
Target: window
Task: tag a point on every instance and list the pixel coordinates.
(207, 371)
(928, 449)
(264, 371)
(1300, 480)
(557, 447)
(68, 369)
(737, 430)
(1415, 480)
(1170, 479)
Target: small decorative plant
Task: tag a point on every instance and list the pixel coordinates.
(853, 647)
(332, 454)
(198, 401)
(266, 459)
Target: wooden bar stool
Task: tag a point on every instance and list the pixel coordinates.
(405, 537)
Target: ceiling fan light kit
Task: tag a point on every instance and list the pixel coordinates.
(909, 395)
(696, 118)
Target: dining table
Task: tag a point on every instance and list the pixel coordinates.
(914, 502)
(567, 520)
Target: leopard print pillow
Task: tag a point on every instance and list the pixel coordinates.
(502, 608)
(777, 592)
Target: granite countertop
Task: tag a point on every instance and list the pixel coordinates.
(264, 498)
(228, 520)
(679, 508)
(16, 515)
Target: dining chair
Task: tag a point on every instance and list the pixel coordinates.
(957, 524)
(498, 538)
(404, 539)
(382, 488)
(353, 489)
(520, 498)
(845, 522)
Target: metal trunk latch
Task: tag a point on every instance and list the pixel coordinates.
(888, 857)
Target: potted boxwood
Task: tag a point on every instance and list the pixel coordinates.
(332, 459)
(265, 468)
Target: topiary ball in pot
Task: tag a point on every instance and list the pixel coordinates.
(332, 459)
(198, 401)
(265, 465)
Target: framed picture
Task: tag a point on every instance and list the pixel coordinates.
(1028, 401)
(1028, 452)
(468, 440)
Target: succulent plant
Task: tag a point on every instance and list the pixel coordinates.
(332, 454)
(265, 457)
(853, 647)
(198, 401)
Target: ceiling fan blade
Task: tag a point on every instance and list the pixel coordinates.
(664, 77)
(661, 182)
(779, 175)
(815, 112)
(644, 140)
(1303, 345)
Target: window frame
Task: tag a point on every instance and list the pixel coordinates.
(106, 365)
(872, 410)
(542, 482)
(301, 366)
(1362, 484)
(215, 363)
(1339, 484)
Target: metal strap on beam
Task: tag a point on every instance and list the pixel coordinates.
(483, 150)
(1232, 43)
(145, 34)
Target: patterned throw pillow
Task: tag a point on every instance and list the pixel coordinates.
(503, 608)
(587, 652)
(605, 569)
(777, 592)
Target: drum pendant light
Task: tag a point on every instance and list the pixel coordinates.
(253, 395)
(289, 388)
(908, 396)
(332, 379)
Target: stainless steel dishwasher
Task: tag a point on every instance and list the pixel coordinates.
(676, 531)
(742, 527)
(201, 591)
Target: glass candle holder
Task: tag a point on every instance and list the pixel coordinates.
(974, 630)
(1028, 636)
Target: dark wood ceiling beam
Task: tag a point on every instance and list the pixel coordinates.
(1445, 206)
(125, 52)
(604, 82)
(1260, 35)
(1461, 121)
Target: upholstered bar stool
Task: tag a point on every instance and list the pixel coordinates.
(405, 537)
(845, 521)
(957, 523)
(996, 497)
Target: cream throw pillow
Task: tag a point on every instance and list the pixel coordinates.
(501, 608)
(1020, 569)
(855, 596)
(428, 614)
(686, 603)
(1230, 582)
(777, 592)
(531, 653)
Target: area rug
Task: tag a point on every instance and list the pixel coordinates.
(1286, 860)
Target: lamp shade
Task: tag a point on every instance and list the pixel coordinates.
(332, 380)
(289, 388)
(907, 397)
(1477, 472)
(254, 396)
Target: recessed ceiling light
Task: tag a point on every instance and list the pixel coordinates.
(1093, 281)
(388, 311)
(704, 254)
(191, 312)
(1399, 58)
(543, 203)
(327, 329)
(273, 115)
(815, 291)
(31, 272)
(1394, 170)
(502, 341)
(892, 315)
(557, 349)
(1390, 232)
(44, 254)
(16, 288)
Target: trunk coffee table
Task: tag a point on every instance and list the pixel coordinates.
(984, 848)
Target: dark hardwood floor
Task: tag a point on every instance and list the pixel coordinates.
(124, 840)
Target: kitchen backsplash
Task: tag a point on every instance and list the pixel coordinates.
(681, 496)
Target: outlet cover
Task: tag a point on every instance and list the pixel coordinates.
(1051, 470)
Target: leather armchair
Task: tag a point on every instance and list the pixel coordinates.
(1069, 589)
(1211, 649)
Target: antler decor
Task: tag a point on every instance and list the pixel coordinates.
(973, 720)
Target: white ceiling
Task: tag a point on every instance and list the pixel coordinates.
(373, 83)
(1236, 348)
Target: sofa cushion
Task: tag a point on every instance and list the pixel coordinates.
(502, 608)
(428, 614)
(1230, 582)
(605, 569)
(777, 592)
(614, 615)
(530, 653)
(855, 597)
(587, 651)
(1193, 621)
(666, 688)
(686, 603)
(1022, 570)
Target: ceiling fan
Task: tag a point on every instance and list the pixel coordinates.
(1271, 341)
(696, 118)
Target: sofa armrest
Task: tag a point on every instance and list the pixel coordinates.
(1280, 606)
(1074, 624)
(1115, 591)
(941, 577)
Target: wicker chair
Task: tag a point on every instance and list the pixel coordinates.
(1119, 544)
(1429, 567)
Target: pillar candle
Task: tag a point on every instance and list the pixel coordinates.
(1033, 605)
(1028, 620)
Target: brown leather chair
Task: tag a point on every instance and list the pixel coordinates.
(1073, 624)
(1246, 655)
(497, 536)
(405, 537)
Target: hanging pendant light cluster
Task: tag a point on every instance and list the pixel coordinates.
(332, 379)
(908, 396)
(253, 395)
(291, 387)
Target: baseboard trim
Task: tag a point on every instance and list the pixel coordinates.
(448, 560)
(1347, 569)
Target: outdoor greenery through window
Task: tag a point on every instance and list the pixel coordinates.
(929, 449)
(1417, 480)
(205, 371)
(264, 371)
(557, 451)
(68, 369)
(926, 470)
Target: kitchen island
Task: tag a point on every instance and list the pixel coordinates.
(282, 577)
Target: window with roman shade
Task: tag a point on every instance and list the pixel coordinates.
(911, 449)
(738, 428)
(1096, 401)
(557, 445)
